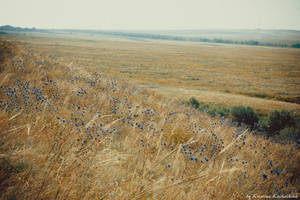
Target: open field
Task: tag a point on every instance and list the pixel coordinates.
(68, 130)
(275, 36)
(264, 78)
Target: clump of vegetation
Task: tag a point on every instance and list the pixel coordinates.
(245, 115)
(211, 110)
(276, 121)
(215, 111)
(193, 102)
(281, 123)
(204, 107)
(290, 133)
(223, 112)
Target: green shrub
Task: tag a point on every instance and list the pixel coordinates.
(223, 112)
(290, 133)
(276, 121)
(244, 115)
(297, 121)
(212, 111)
(193, 102)
(204, 107)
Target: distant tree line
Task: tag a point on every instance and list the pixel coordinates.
(12, 28)
(198, 39)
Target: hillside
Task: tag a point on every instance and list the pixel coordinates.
(69, 132)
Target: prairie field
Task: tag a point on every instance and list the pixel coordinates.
(265, 78)
(96, 118)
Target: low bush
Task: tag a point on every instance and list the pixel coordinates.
(212, 111)
(281, 123)
(204, 107)
(244, 115)
(215, 111)
(276, 121)
(290, 133)
(223, 112)
(193, 102)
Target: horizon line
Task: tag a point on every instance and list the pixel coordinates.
(168, 29)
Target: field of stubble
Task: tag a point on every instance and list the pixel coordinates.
(264, 78)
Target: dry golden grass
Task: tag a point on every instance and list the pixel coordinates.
(72, 132)
(223, 75)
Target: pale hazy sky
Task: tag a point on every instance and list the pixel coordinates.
(152, 14)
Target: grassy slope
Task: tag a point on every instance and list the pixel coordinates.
(74, 133)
